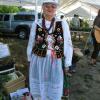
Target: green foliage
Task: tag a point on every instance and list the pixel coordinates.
(85, 24)
(10, 9)
(71, 23)
(4, 78)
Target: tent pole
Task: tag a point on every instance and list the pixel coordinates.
(36, 14)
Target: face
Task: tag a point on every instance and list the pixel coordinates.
(49, 9)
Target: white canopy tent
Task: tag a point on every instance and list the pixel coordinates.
(79, 11)
(67, 7)
(17, 2)
(62, 3)
(83, 9)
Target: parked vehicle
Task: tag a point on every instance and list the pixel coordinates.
(19, 23)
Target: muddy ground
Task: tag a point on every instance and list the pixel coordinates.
(85, 83)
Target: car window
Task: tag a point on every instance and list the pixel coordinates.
(1, 17)
(24, 17)
(6, 18)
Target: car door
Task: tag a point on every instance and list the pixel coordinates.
(1, 22)
(6, 23)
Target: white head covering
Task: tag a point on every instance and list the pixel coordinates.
(51, 1)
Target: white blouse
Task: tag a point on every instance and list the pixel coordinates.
(68, 48)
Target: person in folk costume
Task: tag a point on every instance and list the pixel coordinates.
(49, 41)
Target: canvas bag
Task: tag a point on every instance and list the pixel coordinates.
(97, 34)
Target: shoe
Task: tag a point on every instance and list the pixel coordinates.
(65, 98)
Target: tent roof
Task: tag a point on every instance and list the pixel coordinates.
(79, 11)
(82, 8)
(66, 6)
(17, 2)
(63, 3)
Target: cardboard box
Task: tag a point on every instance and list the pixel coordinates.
(14, 85)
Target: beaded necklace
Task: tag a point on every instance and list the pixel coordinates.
(44, 26)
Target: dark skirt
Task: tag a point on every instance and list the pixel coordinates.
(66, 83)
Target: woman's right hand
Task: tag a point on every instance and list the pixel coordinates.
(66, 71)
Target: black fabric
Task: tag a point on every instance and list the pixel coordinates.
(40, 47)
(7, 66)
(97, 21)
(96, 47)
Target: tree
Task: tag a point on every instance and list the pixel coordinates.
(10, 9)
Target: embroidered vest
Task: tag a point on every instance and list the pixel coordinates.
(40, 47)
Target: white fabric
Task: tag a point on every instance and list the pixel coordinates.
(37, 98)
(46, 74)
(50, 42)
(50, 1)
(46, 78)
(68, 48)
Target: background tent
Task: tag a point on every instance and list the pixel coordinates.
(17, 2)
(66, 6)
(63, 3)
(79, 11)
(83, 9)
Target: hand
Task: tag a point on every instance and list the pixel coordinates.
(66, 70)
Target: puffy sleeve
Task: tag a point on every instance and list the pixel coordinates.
(68, 47)
(31, 41)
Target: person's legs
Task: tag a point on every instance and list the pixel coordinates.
(95, 51)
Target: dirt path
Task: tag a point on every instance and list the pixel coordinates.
(85, 83)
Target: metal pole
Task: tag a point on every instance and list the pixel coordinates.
(36, 14)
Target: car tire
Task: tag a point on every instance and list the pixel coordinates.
(22, 33)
